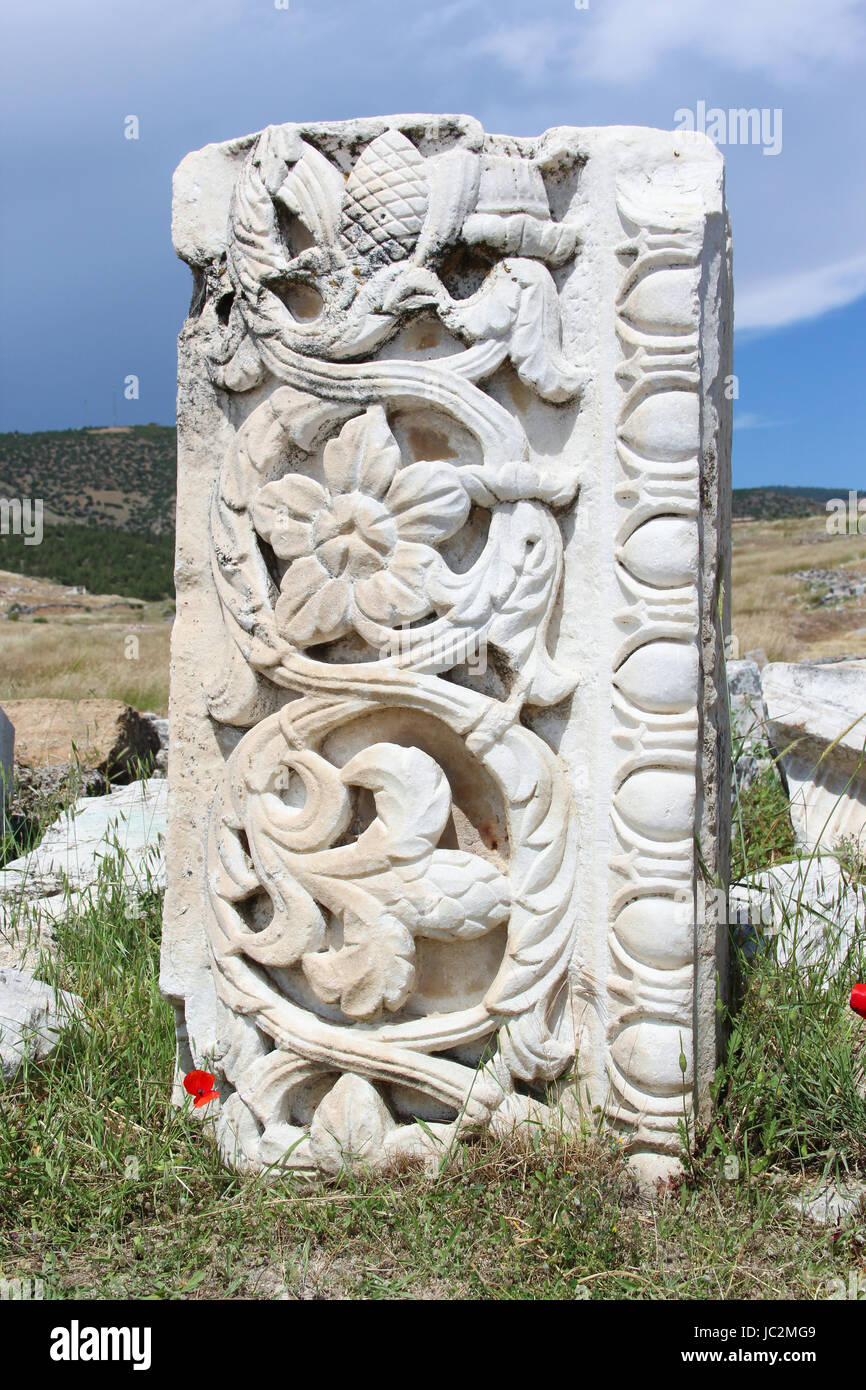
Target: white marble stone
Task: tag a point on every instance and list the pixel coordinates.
(448, 728)
(33, 1016)
(129, 823)
(816, 714)
(809, 907)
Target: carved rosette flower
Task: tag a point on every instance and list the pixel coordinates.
(362, 546)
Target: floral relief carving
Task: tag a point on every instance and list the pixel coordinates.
(396, 925)
(361, 546)
(357, 542)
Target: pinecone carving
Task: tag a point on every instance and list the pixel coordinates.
(385, 201)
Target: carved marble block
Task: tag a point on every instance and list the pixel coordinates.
(448, 787)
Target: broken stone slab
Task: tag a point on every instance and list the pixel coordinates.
(129, 823)
(829, 1205)
(27, 929)
(105, 736)
(33, 1016)
(447, 670)
(7, 751)
(811, 907)
(816, 713)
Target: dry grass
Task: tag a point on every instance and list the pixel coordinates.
(770, 607)
(82, 655)
(79, 660)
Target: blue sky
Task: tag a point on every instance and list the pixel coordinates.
(90, 290)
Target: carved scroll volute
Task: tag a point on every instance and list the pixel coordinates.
(392, 859)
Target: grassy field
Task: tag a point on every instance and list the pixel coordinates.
(59, 643)
(74, 663)
(57, 653)
(107, 1191)
(773, 610)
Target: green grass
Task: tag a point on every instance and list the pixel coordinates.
(761, 832)
(108, 1191)
(851, 853)
(791, 1091)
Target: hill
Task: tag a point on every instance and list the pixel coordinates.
(109, 505)
(109, 500)
(777, 501)
(120, 477)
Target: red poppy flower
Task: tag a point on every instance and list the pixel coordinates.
(858, 1000)
(201, 1085)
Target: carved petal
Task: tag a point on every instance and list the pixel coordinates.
(364, 456)
(314, 191)
(282, 513)
(399, 593)
(428, 501)
(350, 1126)
(412, 795)
(312, 607)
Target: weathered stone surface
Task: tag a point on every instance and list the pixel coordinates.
(104, 735)
(817, 718)
(810, 906)
(130, 821)
(160, 726)
(7, 749)
(748, 721)
(748, 711)
(32, 1017)
(447, 681)
(744, 677)
(350, 1126)
(829, 1205)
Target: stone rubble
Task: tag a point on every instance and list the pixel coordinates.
(64, 872)
(809, 721)
(811, 905)
(33, 1017)
(816, 719)
(839, 586)
(105, 736)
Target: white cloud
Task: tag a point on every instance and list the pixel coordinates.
(628, 40)
(781, 38)
(526, 49)
(752, 420)
(806, 294)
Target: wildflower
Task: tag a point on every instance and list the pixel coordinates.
(858, 1000)
(201, 1085)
